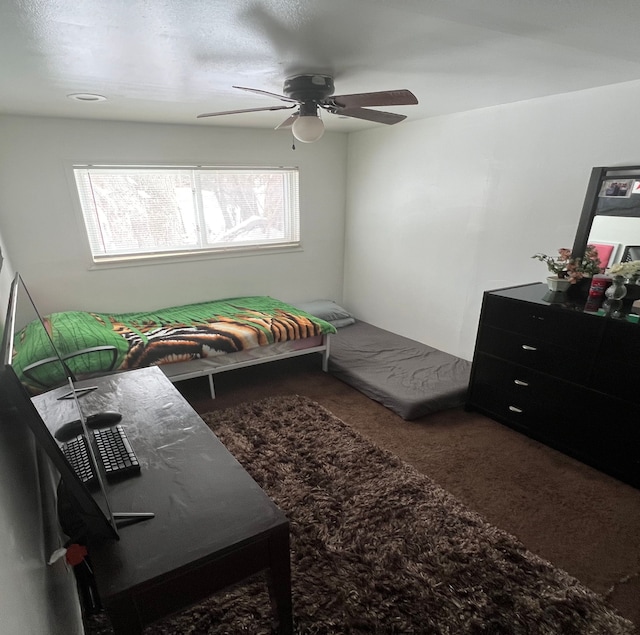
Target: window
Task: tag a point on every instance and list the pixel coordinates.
(137, 212)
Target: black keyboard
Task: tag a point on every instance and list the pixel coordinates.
(78, 456)
(114, 453)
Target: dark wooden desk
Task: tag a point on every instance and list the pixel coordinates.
(213, 525)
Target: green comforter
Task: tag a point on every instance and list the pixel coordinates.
(92, 343)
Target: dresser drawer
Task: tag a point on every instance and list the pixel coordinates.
(569, 329)
(621, 340)
(617, 368)
(546, 407)
(609, 437)
(617, 377)
(542, 355)
(595, 428)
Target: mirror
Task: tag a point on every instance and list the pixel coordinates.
(610, 217)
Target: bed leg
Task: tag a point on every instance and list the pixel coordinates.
(211, 387)
(325, 354)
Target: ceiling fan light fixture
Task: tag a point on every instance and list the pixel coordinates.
(308, 128)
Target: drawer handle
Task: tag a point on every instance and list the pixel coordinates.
(526, 347)
(538, 317)
(519, 382)
(514, 409)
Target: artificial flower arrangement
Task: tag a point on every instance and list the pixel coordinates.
(627, 270)
(570, 268)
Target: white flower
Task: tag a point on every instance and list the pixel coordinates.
(625, 269)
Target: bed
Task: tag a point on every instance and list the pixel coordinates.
(184, 341)
(409, 378)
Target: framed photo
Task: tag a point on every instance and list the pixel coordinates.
(619, 188)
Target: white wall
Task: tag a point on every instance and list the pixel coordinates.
(440, 210)
(44, 235)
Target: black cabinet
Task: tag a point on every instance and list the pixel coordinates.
(563, 376)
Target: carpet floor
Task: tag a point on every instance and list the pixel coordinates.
(577, 517)
(378, 547)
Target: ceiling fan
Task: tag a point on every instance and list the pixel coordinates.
(308, 93)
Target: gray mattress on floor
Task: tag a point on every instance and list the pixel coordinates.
(409, 378)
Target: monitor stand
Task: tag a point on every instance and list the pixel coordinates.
(77, 392)
(123, 519)
(75, 526)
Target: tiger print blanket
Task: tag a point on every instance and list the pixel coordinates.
(97, 342)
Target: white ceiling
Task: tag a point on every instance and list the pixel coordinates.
(168, 60)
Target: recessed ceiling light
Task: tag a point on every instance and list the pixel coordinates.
(86, 97)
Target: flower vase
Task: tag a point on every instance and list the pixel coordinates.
(633, 289)
(579, 290)
(617, 289)
(615, 309)
(555, 283)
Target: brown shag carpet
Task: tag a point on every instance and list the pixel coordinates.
(379, 548)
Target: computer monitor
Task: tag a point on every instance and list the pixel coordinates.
(6, 349)
(48, 367)
(78, 508)
(80, 512)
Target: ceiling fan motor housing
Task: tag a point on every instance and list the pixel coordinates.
(309, 87)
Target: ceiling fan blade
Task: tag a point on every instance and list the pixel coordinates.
(267, 93)
(235, 112)
(378, 116)
(287, 123)
(382, 98)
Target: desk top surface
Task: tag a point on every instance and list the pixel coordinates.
(203, 500)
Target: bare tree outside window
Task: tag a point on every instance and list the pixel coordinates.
(132, 212)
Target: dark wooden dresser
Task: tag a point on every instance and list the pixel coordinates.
(567, 377)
